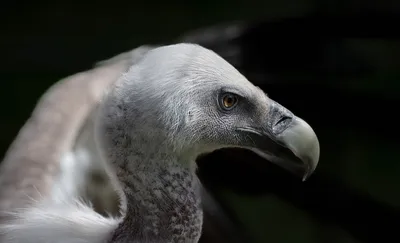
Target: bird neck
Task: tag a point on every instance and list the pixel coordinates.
(162, 200)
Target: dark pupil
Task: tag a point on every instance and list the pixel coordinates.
(229, 101)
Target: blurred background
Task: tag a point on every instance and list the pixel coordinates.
(334, 63)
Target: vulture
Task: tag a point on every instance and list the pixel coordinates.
(140, 119)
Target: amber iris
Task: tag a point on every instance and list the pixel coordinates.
(229, 101)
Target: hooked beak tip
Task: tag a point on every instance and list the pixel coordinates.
(307, 173)
(304, 143)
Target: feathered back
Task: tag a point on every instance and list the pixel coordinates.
(32, 163)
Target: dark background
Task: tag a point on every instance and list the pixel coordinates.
(334, 63)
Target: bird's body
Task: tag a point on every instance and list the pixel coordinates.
(174, 104)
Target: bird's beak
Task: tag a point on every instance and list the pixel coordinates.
(286, 140)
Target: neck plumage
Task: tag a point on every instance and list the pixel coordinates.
(162, 200)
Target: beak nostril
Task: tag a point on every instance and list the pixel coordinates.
(279, 118)
(281, 124)
(282, 121)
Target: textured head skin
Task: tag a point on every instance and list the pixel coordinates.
(173, 96)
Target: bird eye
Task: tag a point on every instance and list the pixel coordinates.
(229, 101)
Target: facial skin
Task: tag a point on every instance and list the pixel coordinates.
(195, 102)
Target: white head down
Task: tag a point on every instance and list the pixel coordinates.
(178, 102)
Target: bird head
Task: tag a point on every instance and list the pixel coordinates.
(190, 100)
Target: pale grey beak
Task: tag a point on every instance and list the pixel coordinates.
(288, 141)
